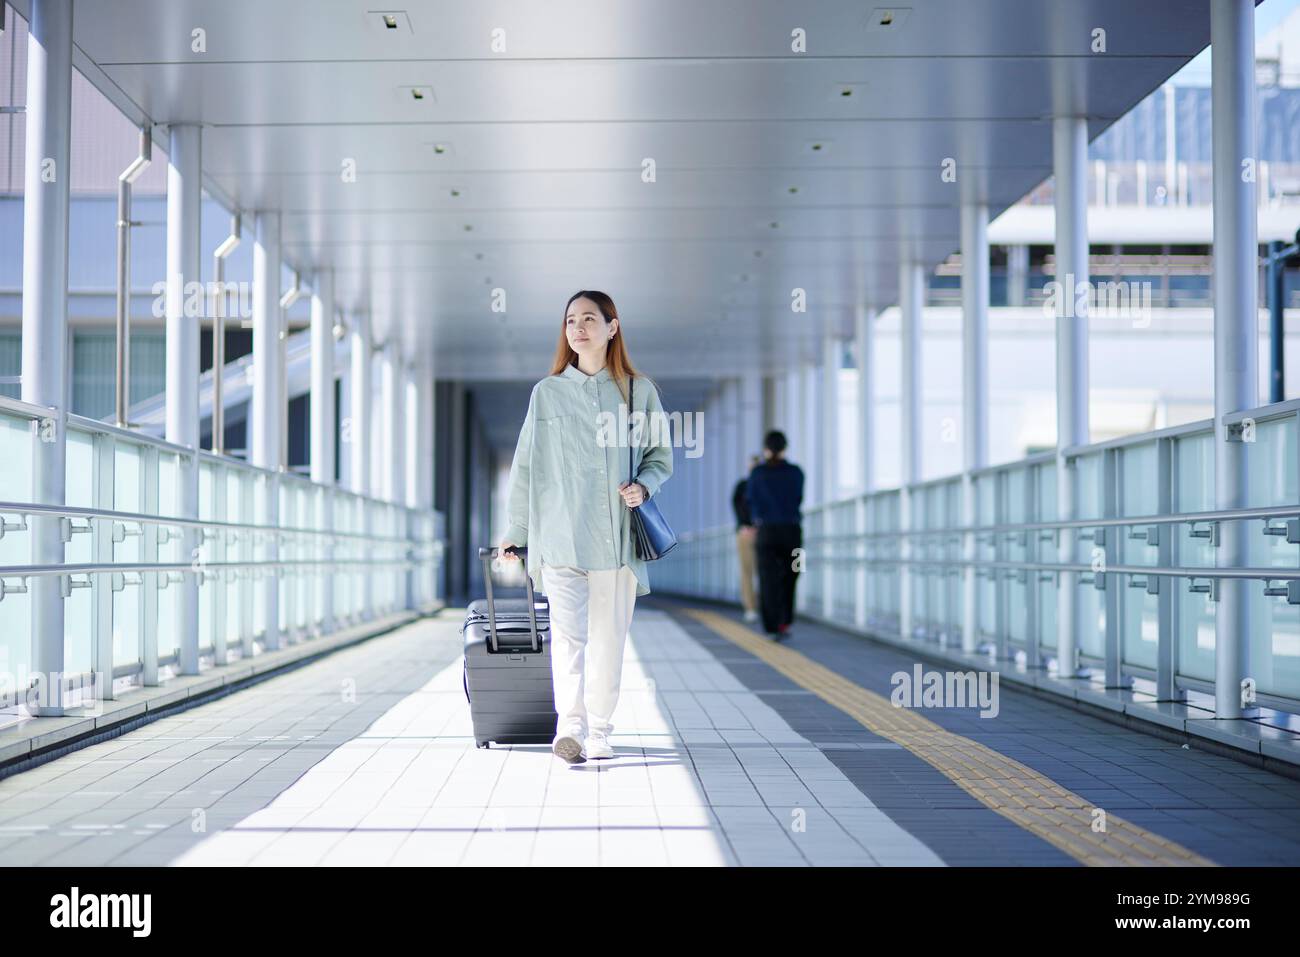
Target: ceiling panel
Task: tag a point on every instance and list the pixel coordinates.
(767, 177)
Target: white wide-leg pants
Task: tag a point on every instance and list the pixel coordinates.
(591, 612)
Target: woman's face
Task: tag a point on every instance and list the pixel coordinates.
(586, 328)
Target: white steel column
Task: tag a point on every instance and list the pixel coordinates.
(268, 397)
(712, 453)
(1236, 319)
(184, 204)
(357, 433)
(809, 413)
(751, 418)
(45, 321)
(392, 401)
(322, 431)
(731, 465)
(975, 397)
(911, 301)
(865, 330)
(1070, 155)
(828, 429)
(322, 378)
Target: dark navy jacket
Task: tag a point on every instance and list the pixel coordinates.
(775, 492)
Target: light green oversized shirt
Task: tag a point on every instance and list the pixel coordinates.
(571, 457)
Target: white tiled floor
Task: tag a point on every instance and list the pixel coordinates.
(705, 773)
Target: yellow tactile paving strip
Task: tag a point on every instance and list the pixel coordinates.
(1018, 793)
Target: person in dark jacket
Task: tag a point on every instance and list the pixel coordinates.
(745, 551)
(775, 492)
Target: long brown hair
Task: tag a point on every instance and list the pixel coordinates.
(616, 359)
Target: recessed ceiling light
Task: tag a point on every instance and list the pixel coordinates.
(888, 18)
(389, 22)
(848, 91)
(415, 94)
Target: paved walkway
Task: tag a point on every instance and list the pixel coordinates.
(728, 751)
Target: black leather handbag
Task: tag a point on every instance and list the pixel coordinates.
(650, 532)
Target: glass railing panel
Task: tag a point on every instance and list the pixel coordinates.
(1193, 471)
(1275, 623)
(1045, 622)
(168, 551)
(128, 496)
(986, 585)
(1016, 548)
(1139, 611)
(77, 606)
(1090, 601)
(16, 438)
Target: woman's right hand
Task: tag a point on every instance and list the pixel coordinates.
(507, 555)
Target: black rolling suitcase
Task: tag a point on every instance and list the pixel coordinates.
(508, 664)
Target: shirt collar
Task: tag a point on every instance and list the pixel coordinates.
(576, 374)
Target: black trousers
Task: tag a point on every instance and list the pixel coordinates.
(774, 549)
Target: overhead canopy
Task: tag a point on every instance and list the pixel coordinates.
(507, 146)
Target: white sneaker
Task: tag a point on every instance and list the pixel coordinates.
(751, 615)
(569, 748)
(598, 745)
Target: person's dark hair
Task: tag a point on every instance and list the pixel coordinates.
(774, 442)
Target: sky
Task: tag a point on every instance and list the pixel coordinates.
(1267, 15)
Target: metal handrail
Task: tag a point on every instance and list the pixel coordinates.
(102, 568)
(1222, 515)
(97, 427)
(1274, 574)
(70, 511)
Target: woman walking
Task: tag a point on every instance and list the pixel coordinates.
(569, 501)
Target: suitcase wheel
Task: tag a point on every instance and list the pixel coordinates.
(482, 744)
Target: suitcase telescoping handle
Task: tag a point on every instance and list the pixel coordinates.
(487, 554)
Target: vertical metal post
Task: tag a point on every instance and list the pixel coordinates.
(865, 336)
(323, 379)
(268, 397)
(357, 433)
(1276, 330)
(322, 432)
(911, 302)
(1069, 155)
(1236, 321)
(184, 198)
(975, 393)
(124, 182)
(45, 320)
(392, 401)
(828, 446)
(219, 299)
(1017, 274)
(357, 436)
(828, 426)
